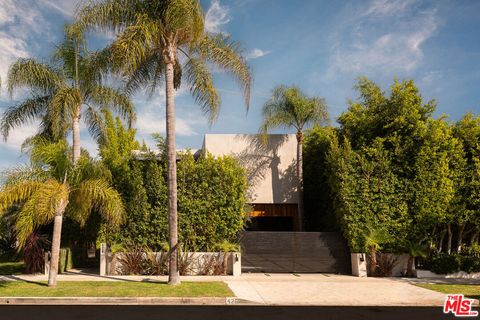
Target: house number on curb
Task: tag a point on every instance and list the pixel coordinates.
(230, 300)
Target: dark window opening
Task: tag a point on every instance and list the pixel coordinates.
(270, 224)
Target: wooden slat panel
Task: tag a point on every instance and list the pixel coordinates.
(294, 252)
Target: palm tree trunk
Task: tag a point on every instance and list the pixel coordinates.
(57, 232)
(373, 261)
(76, 136)
(410, 262)
(173, 275)
(301, 217)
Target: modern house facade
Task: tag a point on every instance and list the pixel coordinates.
(271, 170)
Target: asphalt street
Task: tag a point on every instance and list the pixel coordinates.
(189, 312)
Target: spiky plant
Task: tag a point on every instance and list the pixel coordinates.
(51, 187)
(62, 92)
(289, 107)
(165, 42)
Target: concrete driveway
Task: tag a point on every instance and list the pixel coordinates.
(325, 289)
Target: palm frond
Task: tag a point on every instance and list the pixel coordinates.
(184, 18)
(290, 107)
(22, 113)
(109, 15)
(226, 54)
(37, 76)
(17, 193)
(63, 106)
(21, 173)
(95, 123)
(149, 73)
(102, 197)
(202, 88)
(53, 157)
(110, 98)
(132, 46)
(40, 208)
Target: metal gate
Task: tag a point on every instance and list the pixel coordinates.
(279, 252)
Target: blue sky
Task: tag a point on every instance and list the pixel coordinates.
(321, 46)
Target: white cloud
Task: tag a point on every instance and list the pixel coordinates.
(151, 115)
(386, 36)
(216, 17)
(11, 49)
(256, 53)
(18, 135)
(388, 7)
(65, 7)
(21, 22)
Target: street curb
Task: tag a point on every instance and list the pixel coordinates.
(121, 301)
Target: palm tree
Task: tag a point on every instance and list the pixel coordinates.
(53, 187)
(289, 107)
(61, 93)
(165, 41)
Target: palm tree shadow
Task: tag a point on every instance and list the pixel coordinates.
(18, 279)
(260, 159)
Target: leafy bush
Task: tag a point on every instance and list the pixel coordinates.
(8, 239)
(470, 264)
(211, 203)
(386, 263)
(185, 262)
(131, 261)
(444, 263)
(213, 264)
(155, 263)
(34, 252)
(472, 251)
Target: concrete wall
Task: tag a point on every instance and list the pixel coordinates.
(110, 263)
(271, 167)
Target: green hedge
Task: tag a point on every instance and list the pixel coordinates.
(444, 263)
(211, 202)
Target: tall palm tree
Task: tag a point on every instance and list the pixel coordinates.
(289, 107)
(165, 41)
(53, 187)
(61, 92)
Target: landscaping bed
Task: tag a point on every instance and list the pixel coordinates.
(114, 289)
(468, 290)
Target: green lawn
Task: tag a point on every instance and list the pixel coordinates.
(114, 289)
(468, 290)
(9, 268)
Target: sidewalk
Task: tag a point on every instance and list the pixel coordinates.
(289, 289)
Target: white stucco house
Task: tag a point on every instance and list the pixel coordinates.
(272, 179)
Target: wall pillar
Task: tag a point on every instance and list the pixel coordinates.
(359, 264)
(103, 259)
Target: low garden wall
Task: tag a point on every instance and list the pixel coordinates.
(156, 263)
(454, 275)
(390, 264)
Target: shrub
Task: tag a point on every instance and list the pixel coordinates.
(386, 263)
(472, 251)
(155, 263)
(185, 263)
(211, 202)
(34, 252)
(470, 264)
(131, 261)
(444, 263)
